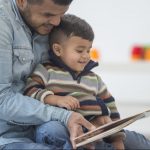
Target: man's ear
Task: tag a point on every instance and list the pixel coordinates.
(57, 49)
(22, 4)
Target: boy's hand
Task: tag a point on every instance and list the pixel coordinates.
(101, 120)
(118, 144)
(68, 102)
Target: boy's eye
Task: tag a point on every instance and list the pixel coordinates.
(88, 51)
(79, 51)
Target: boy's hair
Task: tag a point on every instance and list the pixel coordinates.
(69, 26)
(59, 2)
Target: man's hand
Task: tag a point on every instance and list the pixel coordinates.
(75, 123)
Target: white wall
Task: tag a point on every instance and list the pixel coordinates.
(118, 25)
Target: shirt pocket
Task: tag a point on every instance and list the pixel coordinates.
(22, 63)
(24, 56)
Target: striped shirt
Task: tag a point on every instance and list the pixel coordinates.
(56, 78)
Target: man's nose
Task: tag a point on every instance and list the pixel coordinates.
(55, 20)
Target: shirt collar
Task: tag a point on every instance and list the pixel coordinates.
(18, 15)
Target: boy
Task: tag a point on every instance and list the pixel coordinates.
(67, 80)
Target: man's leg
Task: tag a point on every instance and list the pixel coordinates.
(53, 133)
(25, 146)
(135, 140)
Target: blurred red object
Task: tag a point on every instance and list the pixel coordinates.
(137, 53)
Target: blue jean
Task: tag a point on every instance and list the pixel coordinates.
(27, 146)
(136, 141)
(55, 133)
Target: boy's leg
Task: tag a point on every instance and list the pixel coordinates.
(135, 140)
(25, 146)
(53, 133)
(101, 145)
(104, 146)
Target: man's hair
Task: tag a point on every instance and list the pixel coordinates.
(69, 26)
(59, 2)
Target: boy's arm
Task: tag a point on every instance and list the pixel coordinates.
(37, 88)
(104, 94)
(67, 102)
(108, 99)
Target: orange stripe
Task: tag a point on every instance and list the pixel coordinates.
(89, 107)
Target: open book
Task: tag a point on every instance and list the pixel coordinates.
(108, 129)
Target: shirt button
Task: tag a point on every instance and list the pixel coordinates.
(23, 59)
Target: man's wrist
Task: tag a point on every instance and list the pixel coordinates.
(61, 115)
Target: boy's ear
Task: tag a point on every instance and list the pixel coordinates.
(57, 49)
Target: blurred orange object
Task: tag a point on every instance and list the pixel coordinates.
(147, 54)
(137, 53)
(94, 54)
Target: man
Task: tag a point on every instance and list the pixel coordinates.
(23, 43)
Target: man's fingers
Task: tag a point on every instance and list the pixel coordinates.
(75, 123)
(76, 131)
(87, 124)
(72, 136)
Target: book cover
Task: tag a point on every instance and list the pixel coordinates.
(108, 129)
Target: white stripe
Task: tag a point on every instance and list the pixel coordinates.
(45, 94)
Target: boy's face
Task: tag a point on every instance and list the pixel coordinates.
(42, 17)
(75, 52)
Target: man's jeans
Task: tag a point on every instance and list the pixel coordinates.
(28, 146)
(54, 135)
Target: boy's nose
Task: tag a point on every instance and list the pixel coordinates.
(86, 55)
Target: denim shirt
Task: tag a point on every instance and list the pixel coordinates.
(20, 51)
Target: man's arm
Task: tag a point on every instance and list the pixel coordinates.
(24, 110)
(14, 107)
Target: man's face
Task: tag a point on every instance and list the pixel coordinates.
(42, 17)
